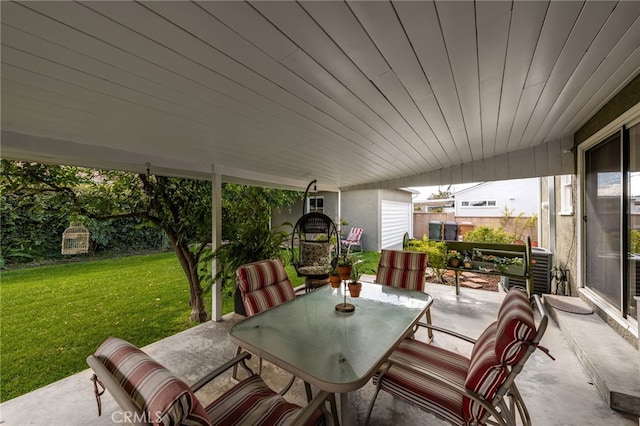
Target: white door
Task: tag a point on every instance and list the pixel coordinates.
(396, 220)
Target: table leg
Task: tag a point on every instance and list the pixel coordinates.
(347, 417)
(457, 283)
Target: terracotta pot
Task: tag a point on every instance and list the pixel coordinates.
(345, 272)
(335, 281)
(354, 289)
(454, 262)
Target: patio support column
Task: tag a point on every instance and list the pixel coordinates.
(339, 218)
(216, 240)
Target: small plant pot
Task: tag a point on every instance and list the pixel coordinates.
(345, 272)
(354, 289)
(454, 262)
(335, 281)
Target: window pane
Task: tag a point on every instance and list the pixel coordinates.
(316, 204)
(633, 270)
(566, 194)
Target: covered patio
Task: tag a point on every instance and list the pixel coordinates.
(557, 392)
(358, 95)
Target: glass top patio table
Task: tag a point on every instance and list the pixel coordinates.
(336, 352)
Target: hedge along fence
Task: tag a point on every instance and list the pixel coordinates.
(36, 235)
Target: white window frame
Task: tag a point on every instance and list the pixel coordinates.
(566, 195)
(490, 204)
(315, 208)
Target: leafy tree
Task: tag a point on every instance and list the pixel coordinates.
(35, 204)
(440, 195)
(179, 207)
(247, 229)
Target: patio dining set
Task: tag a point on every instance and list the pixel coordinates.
(335, 352)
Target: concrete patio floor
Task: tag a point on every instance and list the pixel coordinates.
(557, 392)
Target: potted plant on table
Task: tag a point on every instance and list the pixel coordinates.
(334, 278)
(345, 265)
(355, 285)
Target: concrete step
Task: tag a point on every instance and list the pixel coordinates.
(610, 360)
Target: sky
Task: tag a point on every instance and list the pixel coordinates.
(426, 191)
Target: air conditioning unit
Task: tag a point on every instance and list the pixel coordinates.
(541, 272)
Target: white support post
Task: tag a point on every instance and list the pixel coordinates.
(216, 241)
(339, 218)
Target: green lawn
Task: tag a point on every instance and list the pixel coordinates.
(371, 259)
(52, 317)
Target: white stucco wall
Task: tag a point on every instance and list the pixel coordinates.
(520, 196)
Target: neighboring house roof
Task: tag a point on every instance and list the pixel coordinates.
(471, 188)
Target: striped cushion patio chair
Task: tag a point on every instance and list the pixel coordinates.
(150, 394)
(404, 269)
(480, 389)
(263, 285)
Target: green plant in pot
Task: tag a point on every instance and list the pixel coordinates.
(334, 278)
(454, 258)
(345, 266)
(354, 284)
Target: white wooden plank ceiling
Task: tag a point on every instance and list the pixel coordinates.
(354, 94)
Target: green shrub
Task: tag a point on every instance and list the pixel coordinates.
(634, 241)
(436, 251)
(489, 234)
(34, 232)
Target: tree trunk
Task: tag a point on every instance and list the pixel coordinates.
(189, 264)
(198, 311)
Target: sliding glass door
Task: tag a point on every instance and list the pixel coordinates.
(603, 219)
(612, 220)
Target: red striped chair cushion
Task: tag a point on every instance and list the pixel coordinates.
(165, 399)
(252, 402)
(263, 285)
(516, 326)
(402, 269)
(411, 385)
(486, 373)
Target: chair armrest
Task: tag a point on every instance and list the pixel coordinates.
(446, 331)
(241, 358)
